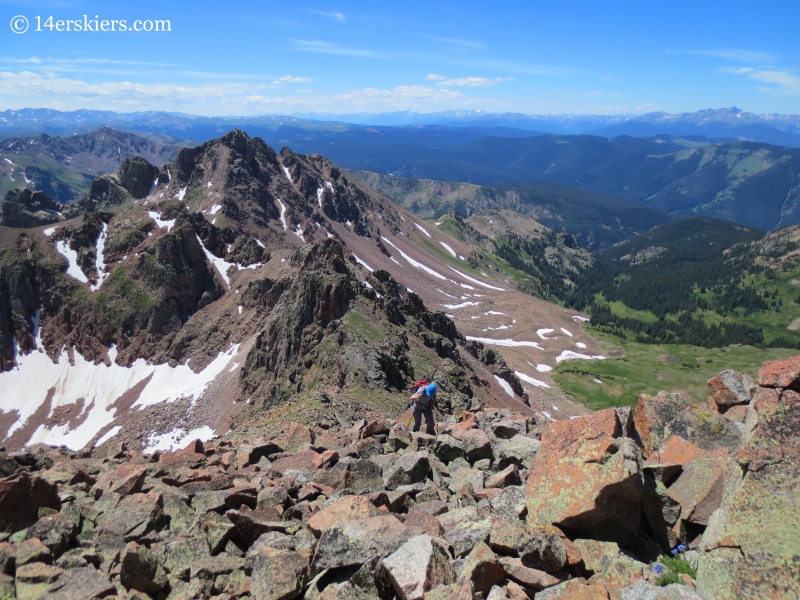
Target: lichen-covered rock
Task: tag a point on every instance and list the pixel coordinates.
(141, 570)
(705, 428)
(506, 477)
(471, 478)
(511, 503)
(545, 551)
(587, 479)
(278, 574)
(21, 497)
(419, 565)
(574, 589)
(653, 414)
(752, 543)
(35, 580)
(465, 536)
(355, 543)
(730, 388)
(407, 469)
(476, 444)
(518, 450)
(482, 568)
(506, 537)
(783, 373)
(349, 508)
(532, 579)
(84, 582)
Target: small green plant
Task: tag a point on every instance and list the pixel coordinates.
(667, 578)
(670, 569)
(678, 564)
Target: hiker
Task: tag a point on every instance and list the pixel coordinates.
(423, 400)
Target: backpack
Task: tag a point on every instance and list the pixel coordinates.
(421, 383)
(419, 388)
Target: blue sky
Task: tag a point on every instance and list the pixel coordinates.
(246, 58)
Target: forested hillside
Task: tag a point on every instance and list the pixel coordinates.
(695, 281)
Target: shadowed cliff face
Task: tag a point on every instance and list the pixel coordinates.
(25, 208)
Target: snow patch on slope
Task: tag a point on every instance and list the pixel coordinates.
(449, 249)
(413, 262)
(29, 385)
(283, 214)
(422, 229)
(100, 263)
(505, 343)
(473, 280)
(505, 385)
(363, 264)
(531, 380)
(177, 439)
(569, 355)
(73, 270)
(462, 305)
(169, 224)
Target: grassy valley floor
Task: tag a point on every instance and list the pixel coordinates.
(633, 368)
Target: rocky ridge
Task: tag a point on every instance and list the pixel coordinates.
(315, 292)
(368, 510)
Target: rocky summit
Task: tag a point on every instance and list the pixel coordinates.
(495, 505)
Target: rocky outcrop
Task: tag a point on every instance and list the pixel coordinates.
(105, 193)
(323, 321)
(587, 479)
(750, 548)
(25, 208)
(137, 176)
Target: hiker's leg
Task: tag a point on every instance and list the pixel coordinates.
(430, 421)
(417, 419)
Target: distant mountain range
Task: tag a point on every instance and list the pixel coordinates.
(754, 184)
(64, 167)
(725, 123)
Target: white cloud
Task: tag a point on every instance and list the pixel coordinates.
(291, 79)
(328, 48)
(435, 77)
(736, 70)
(456, 42)
(786, 82)
(80, 61)
(745, 56)
(404, 97)
(62, 92)
(335, 16)
(473, 81)
(28, 84)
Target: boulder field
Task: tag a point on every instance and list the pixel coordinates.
(495, 506)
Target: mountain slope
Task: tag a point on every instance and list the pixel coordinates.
(251, 284)
(696, 281)
(596, 220)
(63, 167)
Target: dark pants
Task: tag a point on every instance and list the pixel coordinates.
(430, 423)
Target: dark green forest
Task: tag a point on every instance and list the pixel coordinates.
(674, 274)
